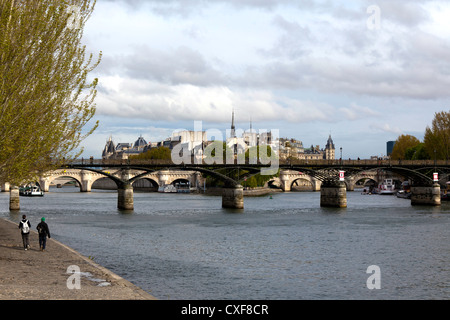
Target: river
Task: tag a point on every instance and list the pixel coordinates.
(185, 246)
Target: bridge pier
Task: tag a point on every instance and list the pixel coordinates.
(333, 195)
(285, 180)
(233, 197)
(350, 184)
(125, 199)
(5, 187)
(86, 181)
(426, 195)
(14, 199)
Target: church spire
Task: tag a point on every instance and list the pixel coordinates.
(233, 133)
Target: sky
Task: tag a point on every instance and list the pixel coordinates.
(363, 71)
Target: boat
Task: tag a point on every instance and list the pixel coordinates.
(445, 196)
(387, 187)
(31, 191)
(183, 187)
(368, 192)
(168, 189)
(405, 192)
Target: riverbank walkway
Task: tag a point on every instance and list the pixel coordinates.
(35, 275)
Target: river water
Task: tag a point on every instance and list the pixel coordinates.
(185, 246)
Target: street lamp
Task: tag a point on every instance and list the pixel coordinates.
(434, 159)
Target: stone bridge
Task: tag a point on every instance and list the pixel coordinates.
(322, 175)
(86, 178)
(289, 177)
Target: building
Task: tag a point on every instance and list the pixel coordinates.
(250, 137)
(195, 143)
(124, 150)
(389, 147)
(330, 150)
(291, 148)
(109, 151)
(192, 141)
(237, 144)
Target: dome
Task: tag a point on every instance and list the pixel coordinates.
(140, 143)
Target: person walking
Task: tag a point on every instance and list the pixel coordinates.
(24, 227)
(44, 232)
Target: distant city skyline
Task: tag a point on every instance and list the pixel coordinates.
(308, 69)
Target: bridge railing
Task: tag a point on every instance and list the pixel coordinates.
(293, 162)
(365, 162)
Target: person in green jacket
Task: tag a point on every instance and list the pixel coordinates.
(44, 232)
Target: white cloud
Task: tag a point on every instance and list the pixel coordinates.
(355, 112)
(387, 128)
(313, 63)
(138, 98)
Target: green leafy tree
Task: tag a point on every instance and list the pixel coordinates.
(402, 144)
(160, 153)
(46, 97)
(417, 153)
(257, 153)
(437, 138)
(218, 152)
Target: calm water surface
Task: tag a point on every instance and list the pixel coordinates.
(185, 246)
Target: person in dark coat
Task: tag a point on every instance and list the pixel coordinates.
(24, 227)
(44, 232)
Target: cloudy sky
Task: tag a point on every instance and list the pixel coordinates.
(364, 71)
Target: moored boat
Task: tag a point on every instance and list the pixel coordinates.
(31, 191)
(404, 194)
(387, 187)
(168, 189)
(445, 195)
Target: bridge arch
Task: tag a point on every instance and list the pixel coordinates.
(46, 181)
(180, 180)
(288, 177)
(147, 183)
(303, 183)
(104, 183)
(76, 180)
(367, 181)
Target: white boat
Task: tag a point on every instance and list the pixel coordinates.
(31, 191)
(167, 188)
(183, 187)
(387, 187)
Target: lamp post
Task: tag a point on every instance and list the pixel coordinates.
(435, 159)
(341, 155)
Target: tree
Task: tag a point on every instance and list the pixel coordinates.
(437, 138)
(160, 153)
(417, 152)
(402, 144)
(261, 153)
(46, 98)
(218, 152)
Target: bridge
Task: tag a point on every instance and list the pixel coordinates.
(323, 175)
(86, 179)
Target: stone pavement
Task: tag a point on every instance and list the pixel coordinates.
(37, 275)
